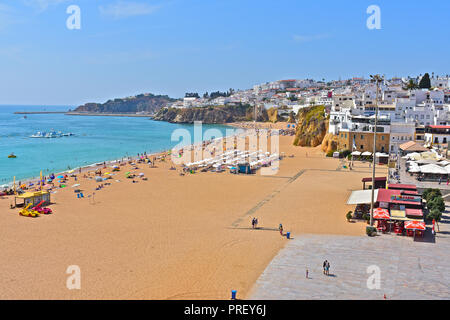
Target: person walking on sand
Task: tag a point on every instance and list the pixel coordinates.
(280, 227)
(328, 268)
(253, 223)
(325, 266)
(256, 223)
(307, 273)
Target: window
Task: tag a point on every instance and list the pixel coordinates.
(362, 137)
(362, 147)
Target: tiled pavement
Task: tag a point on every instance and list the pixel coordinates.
(409, 269)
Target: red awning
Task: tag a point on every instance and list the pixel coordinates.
(410, 192)
(402, 186)
(384, 195)
(415, 225)
(376, 179)
(406, 203)
(380, 213)
(414, 212)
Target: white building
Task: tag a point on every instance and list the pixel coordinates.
(400, 133)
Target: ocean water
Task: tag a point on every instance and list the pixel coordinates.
(96, 139)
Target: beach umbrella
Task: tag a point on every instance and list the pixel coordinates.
(366, 154)
(60, 177)
(48, 186)
(141, 174)
(356, 153)
(380, 213)
(76, 185)
(415, 225)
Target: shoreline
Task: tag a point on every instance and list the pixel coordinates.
(181, 230)
(101, 164)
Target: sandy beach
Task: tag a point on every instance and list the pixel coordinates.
(172, 236)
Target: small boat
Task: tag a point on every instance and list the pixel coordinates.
(12, 155)
(38, 135)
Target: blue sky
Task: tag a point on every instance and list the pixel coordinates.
(175, 46)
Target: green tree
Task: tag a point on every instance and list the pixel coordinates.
(436, 203)
(411, 85)
(434, 214)
(425, 82)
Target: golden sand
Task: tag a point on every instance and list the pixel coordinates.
(174, 237)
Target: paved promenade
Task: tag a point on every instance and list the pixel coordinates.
(409, 269)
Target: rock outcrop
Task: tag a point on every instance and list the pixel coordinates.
(329, 143)
(212, 115)
(141, 103)
(312, 126)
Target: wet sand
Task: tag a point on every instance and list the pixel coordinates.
(174, 237)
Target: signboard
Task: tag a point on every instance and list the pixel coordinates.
(406, 198)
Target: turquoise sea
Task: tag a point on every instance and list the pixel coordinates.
(96, 139)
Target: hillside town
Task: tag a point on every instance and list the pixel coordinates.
(409, 109)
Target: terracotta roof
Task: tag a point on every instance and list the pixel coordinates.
(412, 146)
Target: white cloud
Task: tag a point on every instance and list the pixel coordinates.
(124, 9)
(309, 38)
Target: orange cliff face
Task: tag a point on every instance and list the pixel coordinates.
(312, 127)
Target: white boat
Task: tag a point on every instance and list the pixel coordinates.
(38, 134)
(51, 134)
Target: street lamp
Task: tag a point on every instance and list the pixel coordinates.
(378, 79)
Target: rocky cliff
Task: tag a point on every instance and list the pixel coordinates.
(213, 115)
(312, 126)
(141, 103)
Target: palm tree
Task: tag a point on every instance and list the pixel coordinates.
(411, 85)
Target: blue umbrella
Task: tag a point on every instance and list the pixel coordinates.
(60, 177)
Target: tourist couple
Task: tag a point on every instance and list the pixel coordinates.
(326, 268)
(254, 223)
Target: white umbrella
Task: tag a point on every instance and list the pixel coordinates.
(381, 155)
(356, 153)
(366, 153)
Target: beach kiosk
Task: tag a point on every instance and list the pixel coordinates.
(380, 182)
(32, 197)
(244, 168)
